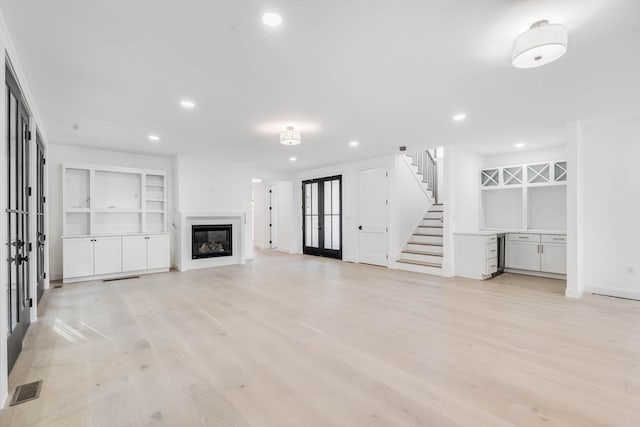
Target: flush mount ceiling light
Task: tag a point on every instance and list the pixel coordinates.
(290, 136)
(541, 45)
(154, 138)
(272, 19)
(188, 104)
(460, 117)
(354, 144)
(292, 159)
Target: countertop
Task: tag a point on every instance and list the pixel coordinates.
(489, 232)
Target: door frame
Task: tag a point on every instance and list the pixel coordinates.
(23, 227)
(40, 228)
(320, 250)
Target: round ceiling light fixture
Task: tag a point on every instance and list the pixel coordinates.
(290, 136)
(272, 19)
(541, 45)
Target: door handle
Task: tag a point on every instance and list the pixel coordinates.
(359, 227)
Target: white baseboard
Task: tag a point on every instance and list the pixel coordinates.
(573, 294)
(114, 275)
(536, 273)
(615, 292)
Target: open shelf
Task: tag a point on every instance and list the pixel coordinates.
(77, 223)
(113, 200)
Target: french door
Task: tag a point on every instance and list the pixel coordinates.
(40, 219)
(322, 210)
(18, 295)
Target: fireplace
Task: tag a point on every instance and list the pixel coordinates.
(210, 241)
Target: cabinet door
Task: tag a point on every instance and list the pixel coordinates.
(77, 257)
(523, 255)
(554, 258)
(107, 255)
(134, 253)
(158, 252)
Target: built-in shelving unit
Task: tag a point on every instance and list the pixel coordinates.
(115, 222)
(525, 197)
(108, 200)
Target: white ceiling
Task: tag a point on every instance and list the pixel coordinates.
(386, 73)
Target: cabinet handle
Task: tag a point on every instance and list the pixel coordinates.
(538, 248)
(523, 237)
(541, 249)
(558, 238)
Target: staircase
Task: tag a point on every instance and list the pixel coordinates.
(425, 246)
(424, 250)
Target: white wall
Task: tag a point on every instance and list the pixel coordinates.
(408, 204)
(213, 186)
(611, 208)
(59, 154)
(461, 198)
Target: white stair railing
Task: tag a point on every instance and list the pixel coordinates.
(428, 168)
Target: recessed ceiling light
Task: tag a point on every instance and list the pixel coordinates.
(460, 117)
(354, 144)
(154, 138)
(187, 103)
(256, 180)
(272, 19)
(520, 145)
(292, 159)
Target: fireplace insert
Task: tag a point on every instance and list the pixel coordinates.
(209, 241)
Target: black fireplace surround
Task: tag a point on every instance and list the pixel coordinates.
(210, 241)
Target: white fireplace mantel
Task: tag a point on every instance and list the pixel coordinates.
(238, 222)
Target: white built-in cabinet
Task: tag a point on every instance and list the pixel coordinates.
(114, 221)
(544, 253)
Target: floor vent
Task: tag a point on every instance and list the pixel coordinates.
(121, 278)
(26, 392)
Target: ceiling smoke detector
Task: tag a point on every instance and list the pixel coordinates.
(541, 45)
(290, 136)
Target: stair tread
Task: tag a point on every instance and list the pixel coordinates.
(425, 244)
(428, 235)
(430, 226)
(409, 251)
(423, 263)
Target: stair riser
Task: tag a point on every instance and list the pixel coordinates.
(426, 239)
(429, 230)
(422, 258)
(419, 269)
(435, 249)
(431, 222)
(433, 215)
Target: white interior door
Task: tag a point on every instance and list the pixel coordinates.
(374, 216)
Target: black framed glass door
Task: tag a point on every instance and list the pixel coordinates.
(40, 218)
(322, 213)
(18, 295)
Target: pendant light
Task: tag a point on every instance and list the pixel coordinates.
(290, 136)
(541, 45)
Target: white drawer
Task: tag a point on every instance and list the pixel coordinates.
(492, 250)
(554, 238)
(492, 266)
(522, 237)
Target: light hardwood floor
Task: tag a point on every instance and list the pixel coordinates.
(303, 341)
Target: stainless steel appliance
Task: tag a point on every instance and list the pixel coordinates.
(501, 254)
